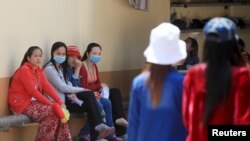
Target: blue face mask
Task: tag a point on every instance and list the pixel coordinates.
(59, 59)
(95, 58)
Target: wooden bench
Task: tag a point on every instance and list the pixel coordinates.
(9, 121)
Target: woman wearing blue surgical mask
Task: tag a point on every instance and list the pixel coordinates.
(82, 99)
(111, 105)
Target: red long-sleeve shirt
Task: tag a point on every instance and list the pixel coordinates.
(27, 84)
(95, 86)
(235, 111)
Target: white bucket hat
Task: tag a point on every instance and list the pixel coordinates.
(165, 47)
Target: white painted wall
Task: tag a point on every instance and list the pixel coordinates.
(121, 30)
(24, 23)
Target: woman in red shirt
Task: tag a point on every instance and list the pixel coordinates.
(217, 92)
(26, 97)
(90, 80)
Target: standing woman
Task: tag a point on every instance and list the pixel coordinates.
(26, 96)
(217, 92)
(192, 54)
(90, 80)
(81, 99)
(156, 94)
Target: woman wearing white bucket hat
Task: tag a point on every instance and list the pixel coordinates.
(156, 94)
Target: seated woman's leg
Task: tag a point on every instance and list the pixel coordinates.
(49, 122)
(90, 106)
(109, 119)
(108, 111)
(94, 116)
(116, 101)
(117, 110)
(100, 106)
(75, 108)
(63, 133)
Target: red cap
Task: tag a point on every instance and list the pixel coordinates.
(74, 50)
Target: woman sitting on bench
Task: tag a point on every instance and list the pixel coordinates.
(26, 97)
(83, 99)
(90, 80)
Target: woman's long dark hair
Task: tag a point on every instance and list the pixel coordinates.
(89, 49)
(55, 46)
(156, 79)
(27, 54)
(219, 57)
(194, 46)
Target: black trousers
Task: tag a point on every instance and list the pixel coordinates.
(117, 110)
(91, 107)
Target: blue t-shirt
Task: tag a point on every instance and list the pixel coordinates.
(161, 123)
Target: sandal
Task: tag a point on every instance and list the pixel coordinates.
(85, 137)
(108, 131)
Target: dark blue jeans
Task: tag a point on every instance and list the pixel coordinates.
(106, 106)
